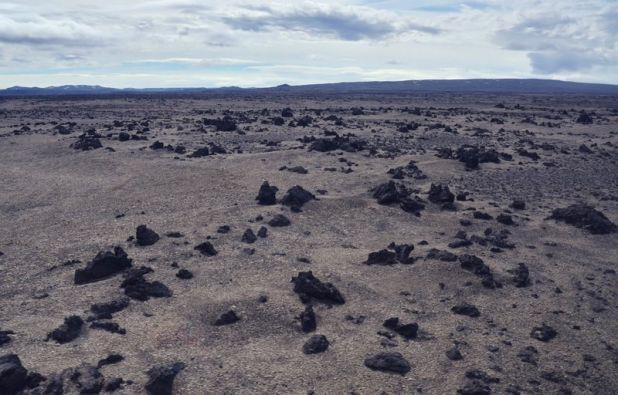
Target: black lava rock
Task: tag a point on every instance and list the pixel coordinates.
(389, 193)
(4, 337)
(161, 378)
(505, 219)
(382, 257)
(408, 331)
(267, 194)
(184, 274)
(87, 143)
(308, 287)
(68, 331)
(105, 310)
(109, 326)
(137, 287)
(206, 248)
(316, 344)
(543, 333)
(308, 320)
(454, 354)
(521, 276)
(145, 236)
(110, 360)
(227, 318)
(263, 232)
(104, 264)
(518, 205)
(440, 194)
(13, 376)
(391, 362)
(585, 217)
(279, 220)
(296, 197)
(248, 237)
(441, 255)
(466, 309)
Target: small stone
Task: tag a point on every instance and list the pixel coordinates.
(391, 362)
(466, 309)
(206, 248)
(316, 344)
(249, 237)
(279, 220)
(543, 333)
(184, 274)
(227, 318)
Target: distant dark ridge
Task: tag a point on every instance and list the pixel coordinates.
(464, 86)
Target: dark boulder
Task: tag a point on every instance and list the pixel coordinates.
(408, 331)
(454, 354)
(296, 197)
(267, 194)
(389, 193)
(206, 248)
(110, 360)
(227, 318)
(521, 276)
(543, 333)
(466, 309)
(184, 274)
(13, 376)
(308, 287)
(145, 236)
(440, 194)
(441, 255)
(308, 320)
(200, 152)
(390, 362)
(109, 326)
(248, 237)
(105, 310)
(316, 344)
(104, 264)
(137, 287)
(161, 378)
(584, 118)
(87, 143)
(279, 220)
(382, 257)
(68, 331)
(585, 217)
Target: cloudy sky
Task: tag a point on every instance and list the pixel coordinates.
(177, 43)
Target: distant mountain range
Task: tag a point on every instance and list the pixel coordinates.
(465, 85)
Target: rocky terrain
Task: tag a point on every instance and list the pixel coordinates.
(309, 244)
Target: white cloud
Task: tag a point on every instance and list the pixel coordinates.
(261, 42)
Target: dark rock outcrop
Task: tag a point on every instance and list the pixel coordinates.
(104, 264)
(585, 217)
(308, 287)
(68, 331)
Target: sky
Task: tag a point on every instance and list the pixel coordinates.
(191, 43)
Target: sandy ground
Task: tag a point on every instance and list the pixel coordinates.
(58, 204)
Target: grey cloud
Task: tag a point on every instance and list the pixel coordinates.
(344, 24)
(38, 31)
(562, 43)
(554, 61)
